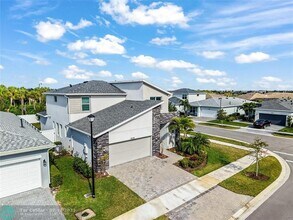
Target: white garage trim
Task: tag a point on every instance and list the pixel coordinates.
(129, 150)
(20, 177)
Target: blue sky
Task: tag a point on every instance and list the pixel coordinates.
(197, 44)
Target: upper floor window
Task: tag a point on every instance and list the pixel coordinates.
(184, 96)
(85, 103)
(155, 98)
(55, 98)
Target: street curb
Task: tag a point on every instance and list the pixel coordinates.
(253, 204)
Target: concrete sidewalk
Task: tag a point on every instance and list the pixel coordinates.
(178, 196)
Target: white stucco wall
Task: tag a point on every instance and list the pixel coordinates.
(149, 91)
(137, 128)
(212, 111)
(134, 90)
(167, 138)
(80, 145)
(196, 97)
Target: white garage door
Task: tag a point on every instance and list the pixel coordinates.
(20, 177)
(208, 112)
(130, 150)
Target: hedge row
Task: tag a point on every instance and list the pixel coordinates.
(80, 166)
(56, 177)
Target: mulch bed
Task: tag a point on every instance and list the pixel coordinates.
(161, 156)
(260, 176)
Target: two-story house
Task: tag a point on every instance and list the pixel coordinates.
(130, 122)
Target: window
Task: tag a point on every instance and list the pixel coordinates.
(155, 98)
(184, 96)
(85, 103)
(55, 98)
(60, 130)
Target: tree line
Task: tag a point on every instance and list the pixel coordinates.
(21, 101)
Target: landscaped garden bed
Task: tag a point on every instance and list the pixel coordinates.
(244, 183)
(113, 198)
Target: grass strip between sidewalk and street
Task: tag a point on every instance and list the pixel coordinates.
(240, 124)
(218, 125)
(287, 129)
(113, 198)
(223, 139)
(283, 135)
(242, 184)
(218, 156)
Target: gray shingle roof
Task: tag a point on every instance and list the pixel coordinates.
(278, 104)
(174, 100)
(88, 87)
(14, 137)
(186, 91)
(215, 102)
(113, 115)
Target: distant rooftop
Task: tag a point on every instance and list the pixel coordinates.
(185, 91)
(88, 87)
(269, 95)
(14, 137)
(217, 102)
(174, 100)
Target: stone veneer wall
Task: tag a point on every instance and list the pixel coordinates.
(101, 150)
(166, 117)
(156, 130)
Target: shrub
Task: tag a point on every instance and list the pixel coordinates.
(192, 163)
(184, 163)
(230, 118)
(58, 143)
(56, 177)
(80, 166)
(52, 158)
(63, 152)
(221, 114)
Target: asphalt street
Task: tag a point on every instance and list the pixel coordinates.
(280, 204)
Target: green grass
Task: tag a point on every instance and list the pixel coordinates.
(287, 129)
(218, 125)
(283, 135)
(242, 184)
(112, 197)
(37, 125)
(227, 140)
(162, 217)
(240, 124)
(218, 156)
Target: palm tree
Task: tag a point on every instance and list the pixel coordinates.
(248, 108)
(196, 144)
(22, 95)
(187, 124)
(186, 105)
(174, 127)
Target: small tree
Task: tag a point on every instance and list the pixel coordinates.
(290, 121)
(186, 106)
(221, 114)
(258, 145)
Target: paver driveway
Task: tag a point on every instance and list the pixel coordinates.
(150, 177)
(34, 204)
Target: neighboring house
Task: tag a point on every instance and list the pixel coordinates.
(255, 96)
(210, 107)
(276, 111)
(129, 122)
(176, 102)
(24, 156)
(190, 94)
(143, 90)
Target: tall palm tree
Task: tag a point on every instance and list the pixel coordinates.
(248, 108)
(196, 144)
(22, 96)
(174, 127)
(186, 105)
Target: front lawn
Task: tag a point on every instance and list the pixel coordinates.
(218, 156)
(241, 184)
(239, 124)
(113, 198)
(227, 140)
(287, 129)
(218, 125)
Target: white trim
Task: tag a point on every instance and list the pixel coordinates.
(279, 152)
(273, 110)
(289, 161)
(44, 147)
(118, 125)
(143, 81)
(18, 160)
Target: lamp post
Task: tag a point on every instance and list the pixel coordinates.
(91, 118)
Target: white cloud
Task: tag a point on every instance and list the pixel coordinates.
(119, 76)
(225, 81)
(164, 41)
(157, 13)
(271, 79)
(169, 65)
(212, 54)
(37, 59)
(48, 30)
(144, 61)
(49, 80)
(105, 73)
(55, 29)
(252, 57)
(74, 56)
(1, 67)
(139, 75)
(206, 80)
(207, 72)
(175, 81)
(92, 62)
(109, 44)
(74, 72)
(81, 24)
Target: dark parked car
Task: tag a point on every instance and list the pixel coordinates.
(261, 123)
